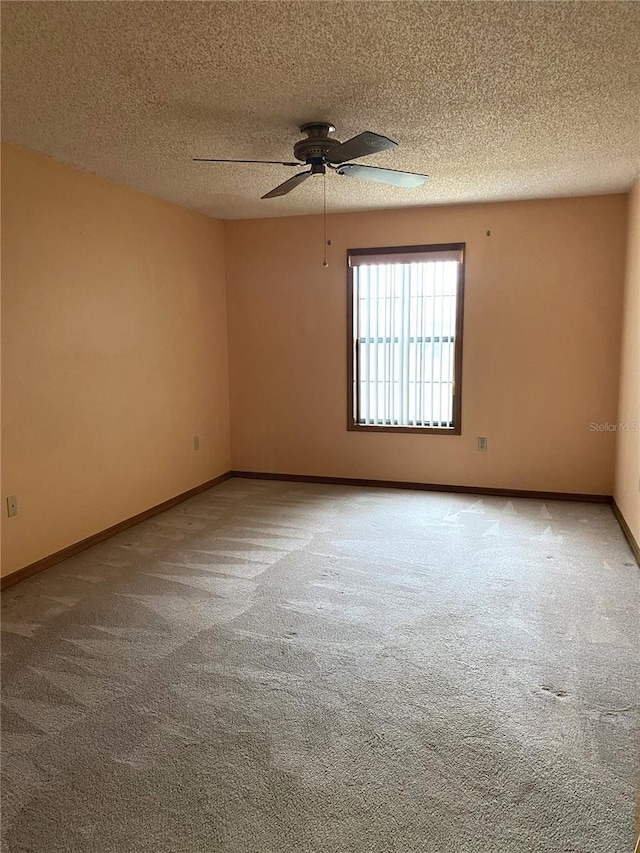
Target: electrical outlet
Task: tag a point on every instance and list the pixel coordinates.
(12, 506)
(482, 442)
(196, 442)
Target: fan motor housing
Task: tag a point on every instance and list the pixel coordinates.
(317, 143)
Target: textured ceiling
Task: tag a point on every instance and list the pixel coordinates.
(493, 100)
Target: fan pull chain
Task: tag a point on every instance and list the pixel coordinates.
(325, 262)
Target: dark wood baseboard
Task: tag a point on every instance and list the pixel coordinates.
(631, 539)
(426, 487)
(77, 547)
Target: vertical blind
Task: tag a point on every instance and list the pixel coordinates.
(404, 314)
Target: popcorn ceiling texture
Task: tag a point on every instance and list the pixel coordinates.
(492, 100)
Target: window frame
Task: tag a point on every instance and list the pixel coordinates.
(353, 384)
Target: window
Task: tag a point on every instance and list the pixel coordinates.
(405, 338)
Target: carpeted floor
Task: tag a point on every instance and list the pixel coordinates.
(286, 668)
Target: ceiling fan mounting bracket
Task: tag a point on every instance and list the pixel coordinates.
(317, 128)
(318, 142)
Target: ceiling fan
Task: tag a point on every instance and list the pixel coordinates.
(321, 151)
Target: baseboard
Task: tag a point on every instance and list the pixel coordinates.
(77, 547)
(622, 521)
(426, 487)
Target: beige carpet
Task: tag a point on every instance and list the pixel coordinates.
(281, 667)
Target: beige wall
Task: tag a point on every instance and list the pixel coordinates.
(115, 350)
(541, 345)
(627, 480)
(114, 353)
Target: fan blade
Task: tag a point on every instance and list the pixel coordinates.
(359, 146)
(287, 186)
(382, 176)
(272, 162)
